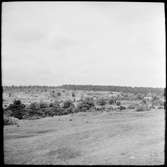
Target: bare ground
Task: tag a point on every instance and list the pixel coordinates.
(118, 138)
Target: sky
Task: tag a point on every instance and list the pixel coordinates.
(98, 43)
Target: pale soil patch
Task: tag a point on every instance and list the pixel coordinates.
(119, 138)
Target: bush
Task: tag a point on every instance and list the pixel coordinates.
(142, 108)
(34, 106)
(68, 107)
(55, 109)
(7, 112)
(58, 94)
(132, 106)
(50, 111)
(101, 102)
(43, 105)
(39, 110)
(122, 107)
(111, 101)
(5, 106)
(118, 103)
(30, 113)
(160, 107)
(10, 120)
(85, 105)
(140, 96)
(67, 104)
(144, 101)
(33, 110)
(73, 94)
(17, 109)
(55, 104)
(162, 103)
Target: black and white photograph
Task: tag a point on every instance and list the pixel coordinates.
(83, 83)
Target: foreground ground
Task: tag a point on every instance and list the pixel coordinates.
(118, 138)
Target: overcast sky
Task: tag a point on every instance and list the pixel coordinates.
(102, 43)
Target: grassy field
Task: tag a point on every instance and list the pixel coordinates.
(118, 138)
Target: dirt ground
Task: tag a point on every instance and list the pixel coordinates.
(108, 138)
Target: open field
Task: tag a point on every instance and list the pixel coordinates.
(122, 138)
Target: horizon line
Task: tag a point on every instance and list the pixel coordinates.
(79, 85)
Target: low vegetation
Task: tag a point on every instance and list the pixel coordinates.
(10, 120)
(142, 108)
(101, 102)
(60, 104)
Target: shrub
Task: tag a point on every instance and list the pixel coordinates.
(34, 106)
(122, 107)
(132, 106)
(58, 94)
(160, 107)
(101, 102)
(144, 101)
(43, 105)
(99, 108)
(17, 109)
(7, 112)
(67, 107)
(50, 111)
(5, 106)
(73, 94)
(85, 105)
(118, 103)
(142, 108)
(10, 120)
(140, 96)
(55, 109)
(33, 110)
(162, 103)
(51, 105)
(67, 104)
(55, 104)
(111, 101)
(67, 110)
(155, 98)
